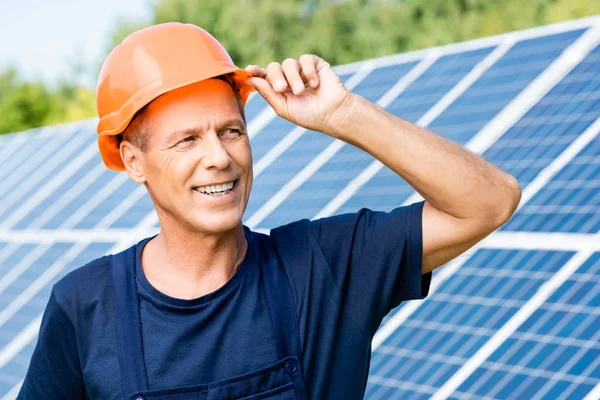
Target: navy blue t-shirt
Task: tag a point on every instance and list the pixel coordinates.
(347, 272)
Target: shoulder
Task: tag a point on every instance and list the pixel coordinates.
(307, 232)
(86, 286)
(295, 242)
(294, 232)
(83, 277)
(295, 248)
(299, 239)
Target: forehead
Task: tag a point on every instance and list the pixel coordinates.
(199, 105)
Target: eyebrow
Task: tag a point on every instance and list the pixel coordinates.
(193, 131)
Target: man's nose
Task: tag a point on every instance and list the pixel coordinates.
(215, 154)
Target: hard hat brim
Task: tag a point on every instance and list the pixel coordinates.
(108, 142)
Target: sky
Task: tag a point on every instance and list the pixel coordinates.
(44, 39)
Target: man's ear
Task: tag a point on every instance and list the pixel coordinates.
(131, 157)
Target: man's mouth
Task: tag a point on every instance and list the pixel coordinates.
(216, 190)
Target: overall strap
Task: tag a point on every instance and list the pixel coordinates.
(134, 377)
(279, 297)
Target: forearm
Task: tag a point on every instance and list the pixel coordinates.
(448, 176)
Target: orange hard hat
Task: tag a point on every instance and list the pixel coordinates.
(148, 63)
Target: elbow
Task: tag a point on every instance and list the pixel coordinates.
(511, 199)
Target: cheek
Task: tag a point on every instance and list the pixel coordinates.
(181, 168)
(172, 170)
(241, 154)
(248, 167)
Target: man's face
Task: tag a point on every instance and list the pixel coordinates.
(198, 165)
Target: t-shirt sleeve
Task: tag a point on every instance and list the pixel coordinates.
(54, 370)
(375, 259)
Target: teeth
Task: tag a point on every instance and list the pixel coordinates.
(215, 188)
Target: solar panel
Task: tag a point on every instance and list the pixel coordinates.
(555, 354)
(458, 319)
(569, 201)
(515, 317)
(524, 62)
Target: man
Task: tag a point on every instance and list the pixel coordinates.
(209, 309)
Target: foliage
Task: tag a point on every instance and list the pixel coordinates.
(261, 31)
(342, 31)
(25, 105)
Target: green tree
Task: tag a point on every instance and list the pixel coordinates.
(342, 31)
(22, 105)
(25, 105)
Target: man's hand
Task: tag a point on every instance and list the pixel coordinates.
(306, 92)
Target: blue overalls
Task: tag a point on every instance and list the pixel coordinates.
(281, 380)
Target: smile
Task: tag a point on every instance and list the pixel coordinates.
(216, 190)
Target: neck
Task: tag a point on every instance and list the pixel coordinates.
(189, 264)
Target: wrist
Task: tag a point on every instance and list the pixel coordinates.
(341, 120)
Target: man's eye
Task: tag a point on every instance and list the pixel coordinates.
(232, 132)
(187, 139)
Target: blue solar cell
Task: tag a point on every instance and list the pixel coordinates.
(113, 201)
(135, 214)
(62, 216)
(379, 81)
(37, 151)
(554, 392)
(62, 192)
(254, 106)
(11, 257)
(25, 148)
(16, 156)
(569, 201)
(579, 392)
(13, 371)
(29, 187)
(269, 136)
(438, 80)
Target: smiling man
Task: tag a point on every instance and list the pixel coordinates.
(208, 309)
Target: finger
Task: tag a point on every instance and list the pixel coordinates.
(276, 78)
(291, 69)
(255, 70)
(264, 88)
(309, 70)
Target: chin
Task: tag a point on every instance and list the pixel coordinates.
(216, 223)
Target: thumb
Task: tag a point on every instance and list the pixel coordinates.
(264, 88)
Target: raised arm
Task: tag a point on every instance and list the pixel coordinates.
(467, 198)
